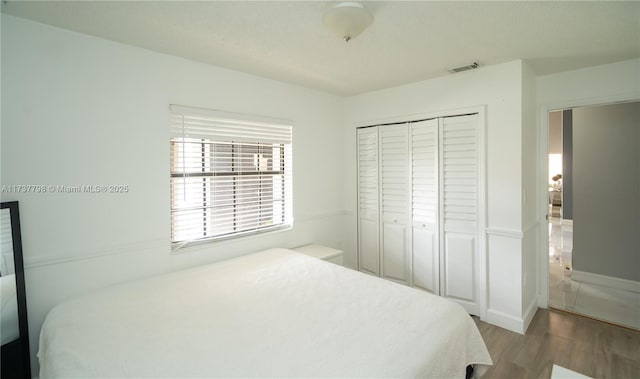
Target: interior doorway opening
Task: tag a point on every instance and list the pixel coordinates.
(594, 212)
(562, 291)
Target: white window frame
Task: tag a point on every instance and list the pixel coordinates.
(230, 175)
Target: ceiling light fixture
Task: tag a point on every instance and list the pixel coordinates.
(347, 19)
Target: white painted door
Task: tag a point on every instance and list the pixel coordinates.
(396, 204)
(459, 209)
(368, 201)
(424, 199)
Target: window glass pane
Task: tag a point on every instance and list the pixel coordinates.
(223, 157)
(222, 188)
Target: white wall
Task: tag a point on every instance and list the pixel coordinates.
(593, 85)
(530, 225)
(81, 110)
(606, 190)
(499, 89)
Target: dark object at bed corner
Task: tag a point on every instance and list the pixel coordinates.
(469, 372)
(13, 365)
(15, 361)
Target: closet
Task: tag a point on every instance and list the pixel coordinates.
(419, 205)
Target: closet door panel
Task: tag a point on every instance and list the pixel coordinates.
(424, 199)
(368, 201)
(395, 258)
(460, 264)
(459, 172)
(425, 253)
(369, 255)
(396, 202)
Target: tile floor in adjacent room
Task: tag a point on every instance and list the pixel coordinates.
(603, 303)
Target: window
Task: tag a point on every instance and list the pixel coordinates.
(230, 175)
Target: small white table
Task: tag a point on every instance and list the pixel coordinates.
(321, 252)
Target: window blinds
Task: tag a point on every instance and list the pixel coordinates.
(230, 175)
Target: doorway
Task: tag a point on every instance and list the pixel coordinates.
(594, 212)
(562, 291)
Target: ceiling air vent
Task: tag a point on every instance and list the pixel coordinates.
(464, 68)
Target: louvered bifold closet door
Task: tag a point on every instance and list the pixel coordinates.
(459, 209)
(424, 195)
(396, 203)
(368, 201)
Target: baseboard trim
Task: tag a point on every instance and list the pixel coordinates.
(505, 321)
(606, 281)
(529, 313)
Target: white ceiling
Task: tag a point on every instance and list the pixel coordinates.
(407, 42)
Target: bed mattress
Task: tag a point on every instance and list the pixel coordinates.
(273, 313)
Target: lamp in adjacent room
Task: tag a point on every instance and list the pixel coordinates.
(347, 19)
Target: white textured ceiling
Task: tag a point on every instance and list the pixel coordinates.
(407, 42)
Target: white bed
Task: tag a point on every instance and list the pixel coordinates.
(276, 313)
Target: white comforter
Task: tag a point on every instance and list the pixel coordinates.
(274, 313)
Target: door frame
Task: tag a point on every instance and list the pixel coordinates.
(543, 177)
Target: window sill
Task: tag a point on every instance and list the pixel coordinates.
(187, 247)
